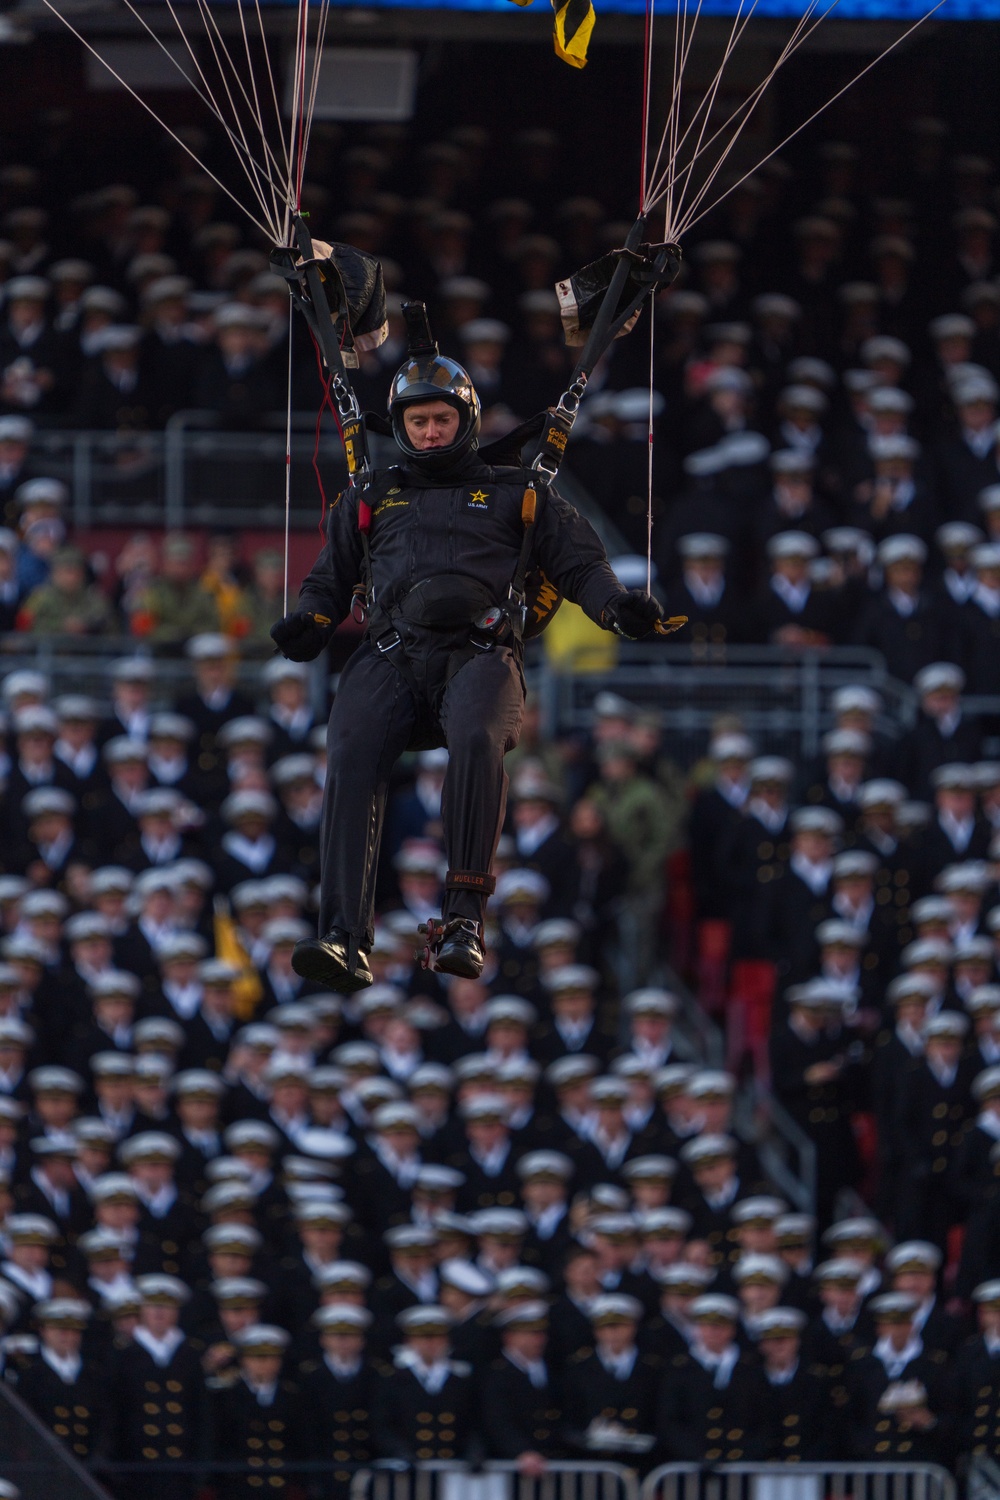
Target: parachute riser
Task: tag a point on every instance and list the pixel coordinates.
(606, 327)
(308, 280)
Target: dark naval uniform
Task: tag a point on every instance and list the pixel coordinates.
(156, 1414)
(516, 1416)
(804, 1420)
(413, 1423)
(593, 1393)
(262, 1435)
(70, 1409)
(338, 1415)
(698, 1422)
(976, 1398)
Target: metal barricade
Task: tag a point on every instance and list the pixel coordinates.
(35, 1460)
(983, 1479)
(495, 1480)
(781, 695)
(82, 664)
(805, 1481)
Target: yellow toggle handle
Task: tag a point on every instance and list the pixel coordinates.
(667, 627)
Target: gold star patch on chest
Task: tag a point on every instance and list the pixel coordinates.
(478, 500)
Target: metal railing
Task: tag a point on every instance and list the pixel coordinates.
(983, 1478)
(783, 698)
(781, 695)
(495, 1480)
(35, 1460)
(799, 1481)
(193, 473)
(787, 1154)
(82, 664)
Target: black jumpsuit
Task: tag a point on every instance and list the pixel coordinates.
(467, 523)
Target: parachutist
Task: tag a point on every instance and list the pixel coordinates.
(446, 581)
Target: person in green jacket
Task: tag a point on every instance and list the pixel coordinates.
(68, 604)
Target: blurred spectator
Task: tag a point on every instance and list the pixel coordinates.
(175, 606)
(68, 604)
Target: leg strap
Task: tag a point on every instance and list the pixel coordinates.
(470, 880)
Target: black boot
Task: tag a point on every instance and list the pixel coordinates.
(327, 961)
(460, 949)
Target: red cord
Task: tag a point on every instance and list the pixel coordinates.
(326, 402)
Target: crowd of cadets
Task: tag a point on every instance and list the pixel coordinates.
(826, 371)
(247, 1224)
(244, 1223)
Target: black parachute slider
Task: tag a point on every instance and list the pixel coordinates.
(419, 339)
(581, 296)
(353, 288)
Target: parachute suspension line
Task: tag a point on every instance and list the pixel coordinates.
(294, 130)
(286, 226)
(649, 448)
(673, 184)
(669, 140)
(647, 89)
(178, 140)
(258, 111)
(204, 92)
(671, 177)
(706, 104)
(804, 28)
(223, 60)
(288, 449)
(321, 24)
(696, 218)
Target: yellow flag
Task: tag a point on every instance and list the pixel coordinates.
(574, 23)
(573, 27)
(248, 990)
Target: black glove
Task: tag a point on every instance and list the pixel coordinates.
(634, 614)
(302, 635)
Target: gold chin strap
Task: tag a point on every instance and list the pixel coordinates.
(667, 627)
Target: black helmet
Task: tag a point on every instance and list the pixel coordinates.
(434, 377)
